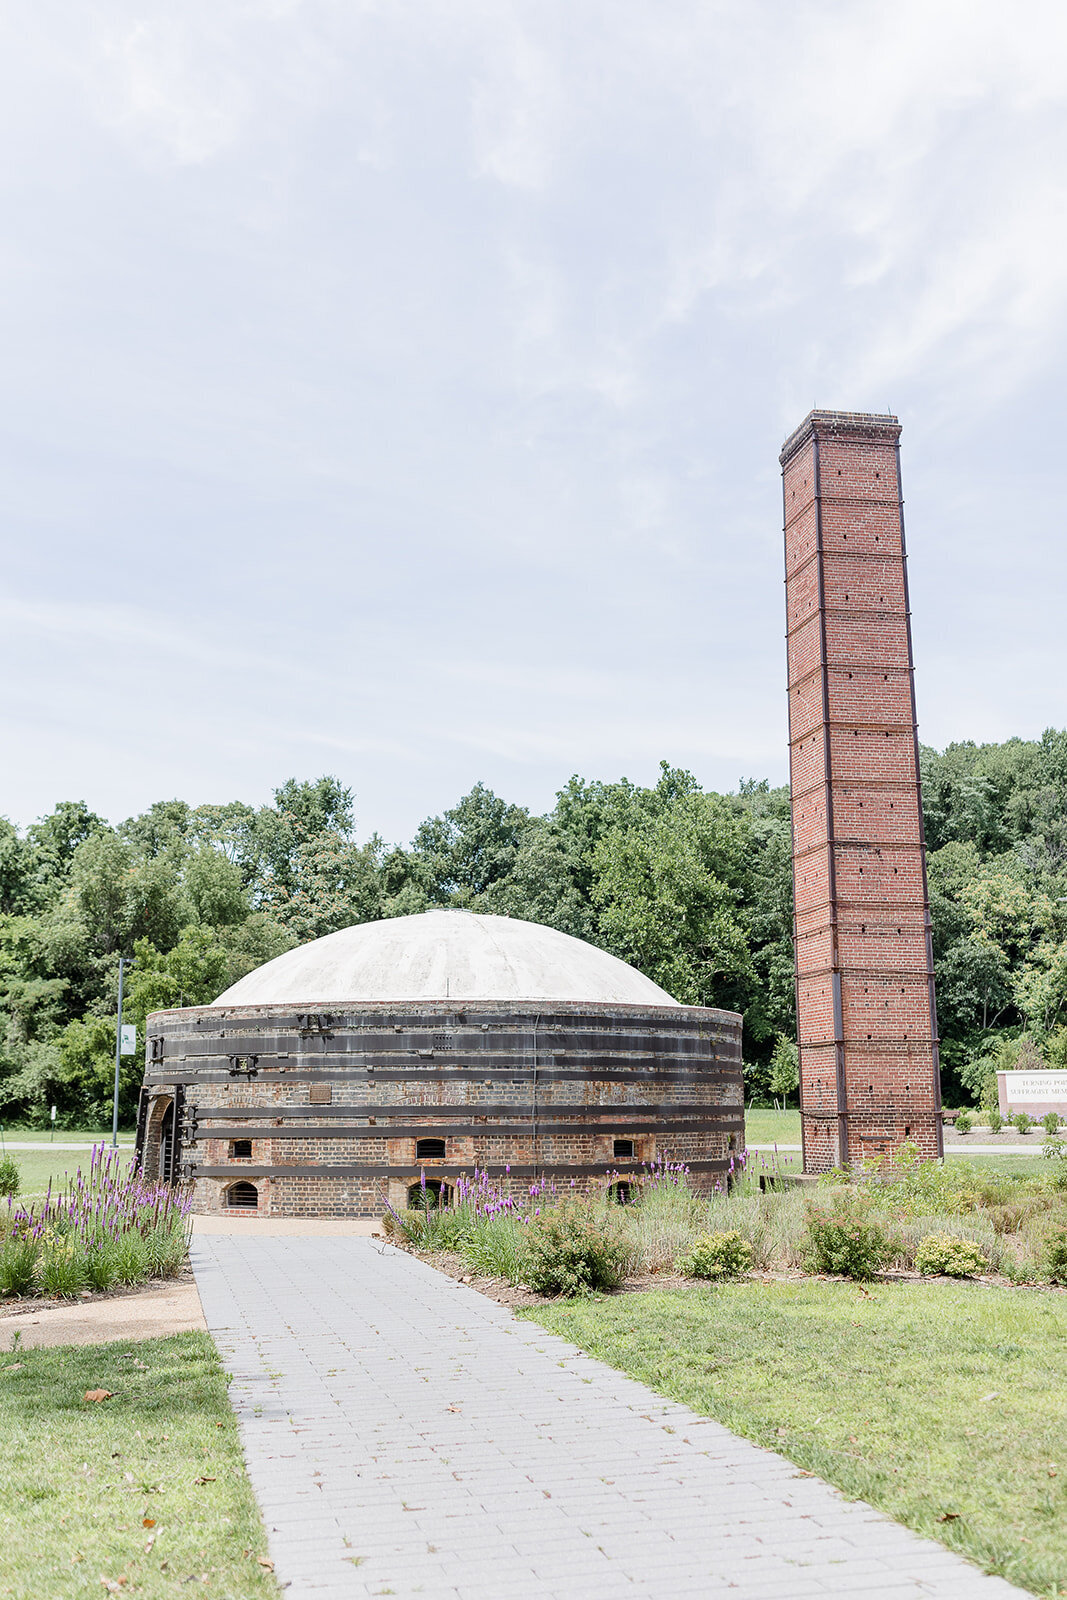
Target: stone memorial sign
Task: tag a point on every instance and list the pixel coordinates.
(1034, 1092)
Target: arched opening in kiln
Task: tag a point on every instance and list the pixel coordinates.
(429, 1195)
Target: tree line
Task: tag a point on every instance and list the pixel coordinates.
(692, 887)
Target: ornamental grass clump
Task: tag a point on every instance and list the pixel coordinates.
(18, 1264)
(717, 1255)
(497, 1248)
(575, 1248)
(61, 1267)
(941, 1253)
(10, 1180)
(843, 1239)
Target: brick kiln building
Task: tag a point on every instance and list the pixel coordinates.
(866, 1018)
(346, 1070)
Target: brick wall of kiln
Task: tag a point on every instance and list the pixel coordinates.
(865, 1006)
(670, 1083)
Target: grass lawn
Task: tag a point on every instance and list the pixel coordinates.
(931, 1401)
(148, 1488)
(46, 1160)
(766, 1128)
(1026, 1163)
(772, 1127)
(64, 1135)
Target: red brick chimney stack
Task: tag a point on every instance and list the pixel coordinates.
(866, 1017)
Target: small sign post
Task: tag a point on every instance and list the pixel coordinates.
(52, 1139)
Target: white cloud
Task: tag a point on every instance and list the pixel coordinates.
(416, 373)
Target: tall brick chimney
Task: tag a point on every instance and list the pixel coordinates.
(866, 1016)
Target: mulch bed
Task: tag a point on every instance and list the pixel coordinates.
(516, 1296)
(18, 1307)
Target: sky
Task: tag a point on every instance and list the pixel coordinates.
(396, 390)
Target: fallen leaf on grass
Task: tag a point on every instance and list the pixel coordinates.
(148, 1522)
(949, 1516)
(994, 1396)
(96, 1395)
(203, 1480)
(114, 1585)
(16, 1366)
(265, 1561)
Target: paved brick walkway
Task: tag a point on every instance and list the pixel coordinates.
(405, 1436)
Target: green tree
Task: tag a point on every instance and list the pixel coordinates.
(53, 841)
(16, 871)
(784, 1069)
(121, 896)
(668, 893)
(215, 888)
(463, 853)
(192, 972)
(542, 884)
(332, 884)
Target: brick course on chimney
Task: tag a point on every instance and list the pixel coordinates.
(866, 1017)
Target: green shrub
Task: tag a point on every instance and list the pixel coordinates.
(955, 1258)
(1050, 1122)
(964, 1122)
(1056, 1256)
(717, 1255)
(843, 1239)
(996, 1122)
(1021, 1122)
(18, 1265)
(575, 1248)
(100, 1266)
(9, 1176)
(402, 1224)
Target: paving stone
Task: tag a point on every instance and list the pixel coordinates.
(392, 1414)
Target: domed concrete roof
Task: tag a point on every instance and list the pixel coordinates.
(444, 955)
